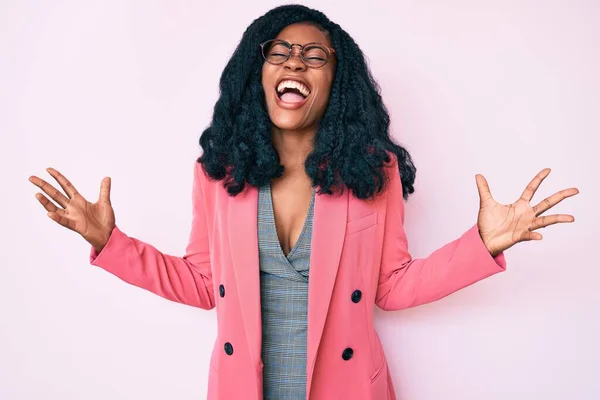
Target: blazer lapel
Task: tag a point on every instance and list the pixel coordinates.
(242, 225)
(329, 228)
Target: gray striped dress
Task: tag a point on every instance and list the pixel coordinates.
(284, 304)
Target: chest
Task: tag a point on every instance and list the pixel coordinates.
(290, 202)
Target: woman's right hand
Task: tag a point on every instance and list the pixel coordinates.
(93, 221)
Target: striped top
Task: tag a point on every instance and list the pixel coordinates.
(284, 304)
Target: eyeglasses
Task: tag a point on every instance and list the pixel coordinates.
(313, 54)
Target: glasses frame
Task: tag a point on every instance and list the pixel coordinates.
(329, 50)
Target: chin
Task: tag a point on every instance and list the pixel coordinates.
(287, 126)
(287, 123)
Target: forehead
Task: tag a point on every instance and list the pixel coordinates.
(302, 33)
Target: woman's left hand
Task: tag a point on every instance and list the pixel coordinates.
(501, 226)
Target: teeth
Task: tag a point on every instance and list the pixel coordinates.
(293, 85)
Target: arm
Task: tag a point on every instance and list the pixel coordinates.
(186, 279)
(406, 282)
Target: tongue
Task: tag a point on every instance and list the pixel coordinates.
(291, 97)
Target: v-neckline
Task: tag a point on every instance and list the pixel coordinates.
(271, 214)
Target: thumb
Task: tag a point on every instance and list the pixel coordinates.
(105, 190)
(484, 190)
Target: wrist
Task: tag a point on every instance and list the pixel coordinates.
(490, 248)
(101, 240)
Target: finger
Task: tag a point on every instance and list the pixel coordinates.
(105, 189)
(527, 236)
(62, 220)
(63, 182)
(50, 190)
(47, 204)
(547, 220)
(484, 190)
(553, 200)
(530, 190)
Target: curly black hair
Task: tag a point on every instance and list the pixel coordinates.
(352, 142)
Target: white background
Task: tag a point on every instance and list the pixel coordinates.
(124, 88)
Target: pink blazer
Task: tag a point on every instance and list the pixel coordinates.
(357, 245)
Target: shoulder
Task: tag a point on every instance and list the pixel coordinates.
(202, 180)
(207, 186)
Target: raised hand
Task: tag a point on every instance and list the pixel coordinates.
(502, 226)
(93, 221)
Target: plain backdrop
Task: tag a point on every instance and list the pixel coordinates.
(124, 89)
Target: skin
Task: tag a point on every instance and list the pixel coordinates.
(293, 131)
(500, 225)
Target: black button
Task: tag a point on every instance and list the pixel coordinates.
(356, 296)
(222, 290)
(228, 348)
(347, 354)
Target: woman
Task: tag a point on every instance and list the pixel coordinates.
(299, 177)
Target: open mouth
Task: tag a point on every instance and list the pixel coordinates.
(291, 91)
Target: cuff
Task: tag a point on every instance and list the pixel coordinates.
(495, 264)
(115, 236)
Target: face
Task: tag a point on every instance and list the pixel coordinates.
(303, 107)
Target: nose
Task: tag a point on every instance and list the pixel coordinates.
(295, 63)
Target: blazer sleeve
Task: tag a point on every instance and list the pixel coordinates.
(406, 282)
(186, 279)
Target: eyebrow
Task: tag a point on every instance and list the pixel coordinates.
(310, 41)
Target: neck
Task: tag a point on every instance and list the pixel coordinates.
(293, 147)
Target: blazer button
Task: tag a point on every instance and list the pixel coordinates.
(347, 353)
(222, 290)
(356, 296)
(228, 348)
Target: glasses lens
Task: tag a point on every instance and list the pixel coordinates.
(315, 55)
(275, 52)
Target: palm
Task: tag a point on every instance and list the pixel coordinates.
(502, 226)
(86, 217)
(93, 221)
